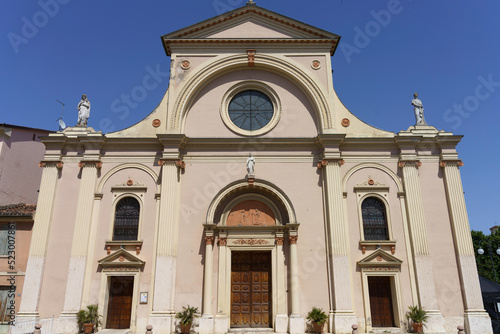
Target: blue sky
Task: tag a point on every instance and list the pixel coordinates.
(447, 51)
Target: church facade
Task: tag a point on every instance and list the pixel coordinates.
(252, 193)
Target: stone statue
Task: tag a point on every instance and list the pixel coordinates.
(250, 164)
(419, 110)
(83, 111)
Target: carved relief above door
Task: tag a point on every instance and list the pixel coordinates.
(251, 213)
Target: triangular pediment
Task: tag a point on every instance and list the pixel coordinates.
(121, 258)
(380, 258)
(250, 22)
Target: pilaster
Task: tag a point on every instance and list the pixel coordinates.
(341, 315)
(476, 319)
(38, 247)
(79, 248)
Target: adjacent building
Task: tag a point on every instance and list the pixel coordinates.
(252, 193)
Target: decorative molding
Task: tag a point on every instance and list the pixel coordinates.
(209, 239)
(316, 64)
(185, 64)
(51, 163)
(90, 163)
(325, 162)
(251, 57)
(458, 163)
(279, 241)
(250, 242)
(121, 259)
(177, 162)
(410, 163)
(156, 123)
(380, 268)
(380, 258)
(222, 241)
(293, 239)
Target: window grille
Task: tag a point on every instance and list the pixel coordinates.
(126, 219)
(374, 219)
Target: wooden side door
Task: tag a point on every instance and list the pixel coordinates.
(379, 288)
(121, 289)
(251, 289)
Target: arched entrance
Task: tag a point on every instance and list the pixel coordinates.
(252, 224)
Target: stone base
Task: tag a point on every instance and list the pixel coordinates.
(281, 323)
(477, 322)
(207, 324)
(163, 323)
(435, 323)
(67, 323)
(27, 316)
(342, 322)
(297, 324)
(221, 324)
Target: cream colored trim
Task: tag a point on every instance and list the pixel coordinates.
(257, 197)
(380, 196)
(104, 295)
(90, 254)
(244, 184)
(195, 82)
(250, 85)
(397, 301)
(148, 170)
(372, 165)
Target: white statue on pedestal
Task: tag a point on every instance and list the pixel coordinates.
(83, 111)
(250, 164)
(419, 110)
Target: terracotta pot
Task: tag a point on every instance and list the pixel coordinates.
(87, 328)
(185, 328)
(417, 327)
(317, 327)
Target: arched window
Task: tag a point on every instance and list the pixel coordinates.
(374, 219)
(126, 219)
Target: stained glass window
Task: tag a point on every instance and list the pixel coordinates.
(374, 219)
(126, 219)
(251, 110)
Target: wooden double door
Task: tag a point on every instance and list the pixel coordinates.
(121, 289)
(251, 289)
(381, 307)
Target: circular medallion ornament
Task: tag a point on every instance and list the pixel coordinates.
(185, 64)
(346, 122)
(316, 64)
(121, 258)
(130, 182)
(371, 182)
(156, 123)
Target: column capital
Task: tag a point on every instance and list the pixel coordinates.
(209, 239)
(279, 241)
(51, 163)
(169, 162)
(444, 163)
(222, 241)
(410, 163)
(90, 163)
(325, 162)
(293, 239)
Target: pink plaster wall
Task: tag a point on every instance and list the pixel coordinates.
(297, 119)
(19, 172)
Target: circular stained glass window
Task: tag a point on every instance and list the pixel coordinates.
(251, 110)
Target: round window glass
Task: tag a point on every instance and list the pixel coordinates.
(251, 110)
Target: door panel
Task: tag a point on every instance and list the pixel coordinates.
(379, 288)
(250, 289)
(120, 302)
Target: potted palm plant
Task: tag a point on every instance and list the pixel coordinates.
(186, 318)
(318, 318)
(89, 318)
(418, 317)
